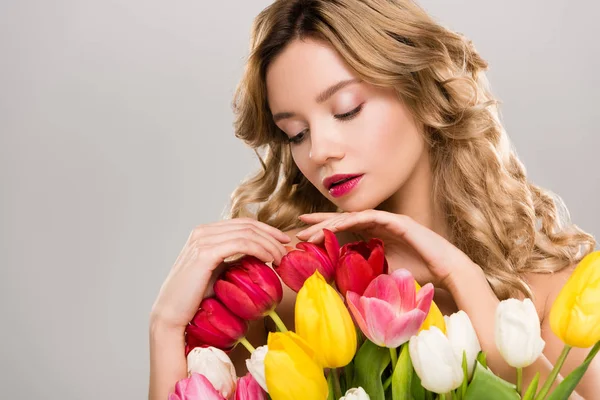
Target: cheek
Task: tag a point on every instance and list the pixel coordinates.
(395, 140)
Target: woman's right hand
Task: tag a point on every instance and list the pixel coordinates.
(203, 258)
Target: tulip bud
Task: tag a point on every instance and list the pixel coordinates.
(256, 365)
(463, 338)
(356, 394)
(216, 366)
(249, 389)
(360, 263)
(322, 319)
(290, 369)
(518, 335)
(389, 312)
(249, 288)
(434, 361)
(195, 387)
(575, 315)
(298, 265)
(214, 325)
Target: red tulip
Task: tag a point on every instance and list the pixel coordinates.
(214, 325)
(391, 310)
(249, 389)
(249, 288)
(298, 265)
(360, 263)
(195, 387)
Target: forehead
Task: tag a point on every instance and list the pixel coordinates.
(302, 70)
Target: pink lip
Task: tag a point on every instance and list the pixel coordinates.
(330, 180)
(346, 187)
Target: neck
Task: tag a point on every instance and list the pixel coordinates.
(415, 199)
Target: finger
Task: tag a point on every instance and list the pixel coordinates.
(241, 245)
(317, 217)
(318, 227)
(433, 248)
(260, 225)
(271, 246)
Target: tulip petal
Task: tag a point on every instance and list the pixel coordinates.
(326, 269)
(385, 288)
(406, 286)
(353, 273)
(237, 299)
(424, 298)
(196, 386)
(377, 259)
(357, 311)
(295, 268)
(402, 328)
(332, 246)
(378, 315)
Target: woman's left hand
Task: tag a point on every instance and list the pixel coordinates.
(407, 243)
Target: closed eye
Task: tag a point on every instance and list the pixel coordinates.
(342, 117)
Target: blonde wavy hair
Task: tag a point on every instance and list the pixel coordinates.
(504, 223)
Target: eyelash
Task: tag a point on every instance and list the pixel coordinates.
(342, 117)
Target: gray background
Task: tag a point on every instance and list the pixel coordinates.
(116, 140)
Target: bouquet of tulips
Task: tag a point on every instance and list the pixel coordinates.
(361, 333)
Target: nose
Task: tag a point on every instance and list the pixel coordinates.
(325, 144)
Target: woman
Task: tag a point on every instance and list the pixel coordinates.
(369, 118)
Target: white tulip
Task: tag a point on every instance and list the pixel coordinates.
(256, 366)
(434, 361)
(356, 394)
(518, 336)
(463, 337)
(216, 366)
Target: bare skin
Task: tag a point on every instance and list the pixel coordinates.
(355, 129)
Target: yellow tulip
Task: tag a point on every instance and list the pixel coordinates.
(322, 319)
(575, 314)
(291, 372)
(434, 318)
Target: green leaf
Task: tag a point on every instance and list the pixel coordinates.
(567, 386)
(482, 359)
(486, 385)
(462, 389)
(402, 376)
(530, 393)
(417, 390)
(369, 363)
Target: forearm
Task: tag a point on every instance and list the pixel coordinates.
(167, 360)
(483, 314)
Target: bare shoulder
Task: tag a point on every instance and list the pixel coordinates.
(546, 286)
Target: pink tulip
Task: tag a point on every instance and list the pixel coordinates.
(298, 265)
(391, 311)
(214, 325)
(360, 263)
(249, 288)
(196, 387)
(249, 389)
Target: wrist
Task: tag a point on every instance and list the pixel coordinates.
(464, 277)
(161, 328)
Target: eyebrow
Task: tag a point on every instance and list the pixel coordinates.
(322, 97)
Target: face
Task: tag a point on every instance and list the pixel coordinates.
(353, 128)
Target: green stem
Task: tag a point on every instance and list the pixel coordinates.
(394, 358)
(519, 380)
(442, 396)
(278, 322)
(336, 383)
(247, 345)
(387, 382)
(552, 377)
